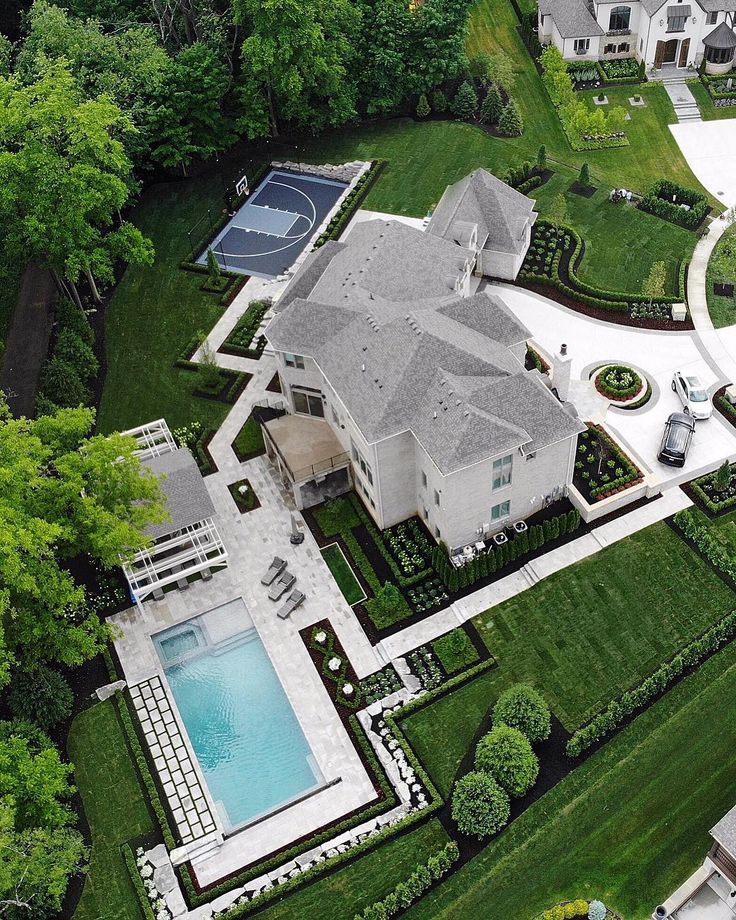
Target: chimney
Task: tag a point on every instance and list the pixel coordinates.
(561, 365)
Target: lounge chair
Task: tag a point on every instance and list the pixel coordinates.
(292, 602)
(283, 583)
(274, 570)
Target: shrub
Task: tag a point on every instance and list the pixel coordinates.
(438, 101)
(465, 103)
(665, 199)
(597, 911)
(77, 352)
(511, 124)
(480, 807)
(584, 177)
(69, 316)
(506, 754)
(522, 707)
(41, 696)
(336, 516)
(542, 158)
(61, 383)
(423, 108)
(388, 606)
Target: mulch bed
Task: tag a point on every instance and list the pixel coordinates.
(544, 176)
(274, 385)
(244, 506)
(584, 191)
(224, 394)
(723, 290)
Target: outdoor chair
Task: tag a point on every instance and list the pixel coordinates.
(292, 602)
(283, 583)
(274, 570)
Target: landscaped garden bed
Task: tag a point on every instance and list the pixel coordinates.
(601, 467)
(619, 383)
(240, 341)
(455, 651)
(343, 574)
(244, 496)
(351, 203)
(722, 89)
(248, 442)
(715, 492)
(670, 201)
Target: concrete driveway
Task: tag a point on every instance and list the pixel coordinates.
(657, 354)
(710, 150)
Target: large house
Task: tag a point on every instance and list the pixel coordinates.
(401, 382)
(710, 892)
(659, 32)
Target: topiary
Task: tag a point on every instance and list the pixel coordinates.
(423, 108)
(480, 807)
(506, 754)
(597, 910)
(522, 707)
(41, 696)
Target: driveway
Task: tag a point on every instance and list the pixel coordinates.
(710, 150)
(657, 354)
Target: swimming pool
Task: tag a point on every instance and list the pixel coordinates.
(245, 735)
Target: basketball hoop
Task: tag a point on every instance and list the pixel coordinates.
(241, 186)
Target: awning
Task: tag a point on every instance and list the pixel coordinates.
(681, 11)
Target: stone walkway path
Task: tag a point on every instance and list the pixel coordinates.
(686, 108)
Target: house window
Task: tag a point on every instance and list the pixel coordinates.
(359, 461)
(620, 19)
(308, 401)
(676, 23)
(424, 480)
(500, 511)
(502, 472)
(719, 55)
(624, 46)
(582, 45)
(437, 533)
(609, 49)
(425, 513)
(711, 18)
(436, 498)
(296, 361)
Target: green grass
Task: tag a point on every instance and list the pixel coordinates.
(722, 309)
(627, 826)
(343, 574)
(455, 651)
(342, 894)
(709, 111)
(115, 808)
(249, 440)
(584, 635)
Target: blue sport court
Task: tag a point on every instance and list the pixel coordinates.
(275, 224)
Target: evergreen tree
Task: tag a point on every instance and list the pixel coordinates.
(423, 108)
(465, 103)
(490, 110)
(542, 158)
(438, 101)
(213, 266)
(491, 562)
(722, 478)
(584, 177)
(511, 124)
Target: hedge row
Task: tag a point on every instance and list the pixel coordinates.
(414, 886)
(682, 281)
(419, 702)
(529, 185)
(240, 340)
(351, 204)
(706, 500)
(135, 877)
(651, 687)
(658, 201)
(707, 544)
(71, 364)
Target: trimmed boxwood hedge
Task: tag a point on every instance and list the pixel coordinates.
(609, 381)
(662, 201)
(351, 204)
(135, 877)
(715, 506)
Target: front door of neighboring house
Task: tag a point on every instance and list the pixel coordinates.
(670, 51)
(684, 48)
(659, 55)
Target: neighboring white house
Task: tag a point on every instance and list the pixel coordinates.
(710, 892)
(487, 216)
(187, 543)
(401, 383)
(658, 32)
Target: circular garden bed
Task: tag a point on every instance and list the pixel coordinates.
(622, 385)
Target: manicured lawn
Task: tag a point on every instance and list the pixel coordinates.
(341, 895)
(628, 826)
(455, 651)
(343, 574)
(249, 440)
(722, 309)
(705, 103)
(583, 636)
(115, 808)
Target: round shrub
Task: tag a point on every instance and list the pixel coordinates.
(597, 910)
(480, 807)
(522, 707)
(61, 384)
(618, 382)
(506, 754)
(41, 696)
(72, 348)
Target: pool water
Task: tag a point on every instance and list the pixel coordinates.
(242, 728)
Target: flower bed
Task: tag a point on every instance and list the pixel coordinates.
(337, 673)
(240, 340)
(425, 666)
(618, 382)
(675, 203)
(722, 89)
(244, 496)
(714, 494)
(379, 685)
(409, 546)
(601, 467)
(429, 595)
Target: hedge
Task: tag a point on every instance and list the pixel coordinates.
(658, 201)
(240, 340)
(706, 500)
(706, 543)
(682, 281)
(567, 910)
(351, 204)
(406, 893)
(529, 185)
(135, 877)
(419, 702)
(651, 687)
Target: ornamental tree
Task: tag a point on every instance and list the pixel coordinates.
(480, 807)
(423, 108)
(522, 707)
(506, 755)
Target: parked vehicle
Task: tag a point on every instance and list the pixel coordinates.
(678, 433)
(693, 395)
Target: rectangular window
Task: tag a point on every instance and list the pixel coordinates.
(502, 472)
(424, 480)
(624, 46)
(436, 498)
(308, 402)
(711, 18)
(609, 49)
(500, 511)
(296, 361)
(425, 513)
(437, 533)
(360, 463)
(582, 45)
(676, 23)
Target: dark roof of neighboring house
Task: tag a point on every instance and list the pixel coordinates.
(500, 212)
(725, 831)
(187, 498)
(440, 368)
(721, 38)
(572, 18)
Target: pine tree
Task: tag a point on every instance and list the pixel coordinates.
(573, 520)
(500, 558)
(423, 108)
(465, 103)
(511, 124)
(722, 478)
(213, 266)
(563, 524)
(542, 158)
(584, 177)
(453, 581)
(491, 562)
(490, 110)
(438, 101)
(483, 565)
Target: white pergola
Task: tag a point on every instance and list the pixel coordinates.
(188, 544)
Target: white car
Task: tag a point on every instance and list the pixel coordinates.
(693, 395)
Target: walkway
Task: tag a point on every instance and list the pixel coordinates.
(686, 108)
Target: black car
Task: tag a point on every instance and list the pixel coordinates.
(678, 433)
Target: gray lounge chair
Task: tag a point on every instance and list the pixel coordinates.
(283, 583)
(274, 570)
(292, 602)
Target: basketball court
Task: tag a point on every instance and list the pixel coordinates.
(275, 224)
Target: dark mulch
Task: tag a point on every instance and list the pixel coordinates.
(274, 384)
(584, 191)
(723, 290)
(544, 176)
(223, 392)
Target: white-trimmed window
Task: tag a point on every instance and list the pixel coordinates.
(711, 18)
(307, 401)
(424, 480)
(296, 361)
(359, 461)
(500, 511)
(581, 45)
(502, 472)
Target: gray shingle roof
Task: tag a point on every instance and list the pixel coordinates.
(499, 211)
(440, 367)
(187, 498)
(718, 6)
(721, 38)
(725, 831)
(308, 274)
(572, 18)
